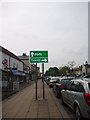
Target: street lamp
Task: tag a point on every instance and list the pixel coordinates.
(86, 65)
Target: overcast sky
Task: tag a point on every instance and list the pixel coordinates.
(59, 27)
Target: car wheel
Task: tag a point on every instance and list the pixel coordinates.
(77, 113)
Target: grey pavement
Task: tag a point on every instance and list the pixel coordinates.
(24, 105)
(6, 94)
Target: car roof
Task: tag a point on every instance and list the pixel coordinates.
(87, 76)
(82, 80)
(66, 78)
(55, 78)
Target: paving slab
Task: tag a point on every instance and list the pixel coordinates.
(24, 105)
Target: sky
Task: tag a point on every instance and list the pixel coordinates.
(59, 27)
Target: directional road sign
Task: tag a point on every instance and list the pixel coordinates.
(38, 56)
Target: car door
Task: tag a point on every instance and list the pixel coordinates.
(71, 94)
(74, 93)
(56, 85)
(66, 93)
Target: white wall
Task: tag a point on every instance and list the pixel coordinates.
(12, 62)
(17, 63)
(4, 56)
(83, 69)
(88, 70)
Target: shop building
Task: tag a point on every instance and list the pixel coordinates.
(86, 68)
(12, 69)
(28, 66)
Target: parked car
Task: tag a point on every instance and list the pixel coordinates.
(53, 80)
(87, 76)
(47, 79)
(61, 83)
(77, 96)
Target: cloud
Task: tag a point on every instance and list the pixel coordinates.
(60, 28)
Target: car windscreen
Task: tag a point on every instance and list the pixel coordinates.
(54, 79)
(65, 81)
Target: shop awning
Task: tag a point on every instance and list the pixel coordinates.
(17, 73)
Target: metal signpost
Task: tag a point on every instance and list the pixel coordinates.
(43, 78)
(39, 57)
(36, 79)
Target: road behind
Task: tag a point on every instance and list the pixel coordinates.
(24, 105)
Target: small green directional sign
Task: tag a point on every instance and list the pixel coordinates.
(38, 56)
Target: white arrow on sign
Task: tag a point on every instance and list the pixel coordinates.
(32, 54)
(45, 60)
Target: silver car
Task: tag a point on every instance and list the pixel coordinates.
(77, 96)
(53, 80)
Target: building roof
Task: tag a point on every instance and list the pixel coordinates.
(24, 57)
(9, 53)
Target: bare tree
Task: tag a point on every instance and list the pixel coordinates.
(71, 64)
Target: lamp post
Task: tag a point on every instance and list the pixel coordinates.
(86, 64)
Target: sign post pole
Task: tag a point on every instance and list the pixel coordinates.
(36, 80)
(43, 78)
(39, 57)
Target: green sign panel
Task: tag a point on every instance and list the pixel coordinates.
(38, 56)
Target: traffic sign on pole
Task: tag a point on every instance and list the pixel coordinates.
(38, 56)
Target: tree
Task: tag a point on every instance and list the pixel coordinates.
(71, 64)
(53, 71)
(64, 70)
